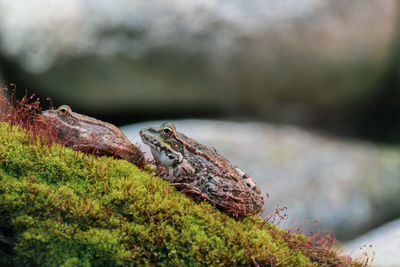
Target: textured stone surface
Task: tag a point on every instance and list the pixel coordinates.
(347, 186)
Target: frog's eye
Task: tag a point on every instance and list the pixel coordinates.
(63, 110)
(166, 131)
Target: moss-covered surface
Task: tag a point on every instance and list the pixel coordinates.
(59, 207)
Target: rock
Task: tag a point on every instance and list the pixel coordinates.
(381, 245)
(287, 60)
(347, 186)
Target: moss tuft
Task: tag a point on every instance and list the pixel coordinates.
(59, 207)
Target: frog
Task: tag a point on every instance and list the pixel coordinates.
(200, 171)
(90, 135)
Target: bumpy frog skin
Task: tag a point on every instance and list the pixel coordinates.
(87, 134)
(200, 170)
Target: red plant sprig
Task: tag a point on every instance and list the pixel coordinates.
(25, 113)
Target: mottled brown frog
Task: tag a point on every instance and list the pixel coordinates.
(199, 170)
(90, 135)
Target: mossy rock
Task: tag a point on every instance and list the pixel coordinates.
(59, 207)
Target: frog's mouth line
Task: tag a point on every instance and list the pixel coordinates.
(152, 141)
(154, 144)
(160, 150)
(149, 139)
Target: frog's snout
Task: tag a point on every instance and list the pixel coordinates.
(146, 132)
(49, 113)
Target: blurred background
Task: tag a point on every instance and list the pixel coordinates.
(302, 94)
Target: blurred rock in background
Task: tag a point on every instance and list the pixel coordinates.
(380, 245)
(330, 65)
(302, 61)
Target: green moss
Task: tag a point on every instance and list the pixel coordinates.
(66, 208)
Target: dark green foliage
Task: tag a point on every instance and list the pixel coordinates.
(65, 208)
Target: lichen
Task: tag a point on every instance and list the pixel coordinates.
(59, 207)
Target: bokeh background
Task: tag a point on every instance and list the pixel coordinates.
(302, 94)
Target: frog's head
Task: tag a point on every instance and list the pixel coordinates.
(62, 117)
(61, 113)
(163, 144)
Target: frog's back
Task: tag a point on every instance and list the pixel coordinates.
(210, 154)
(92, 124)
